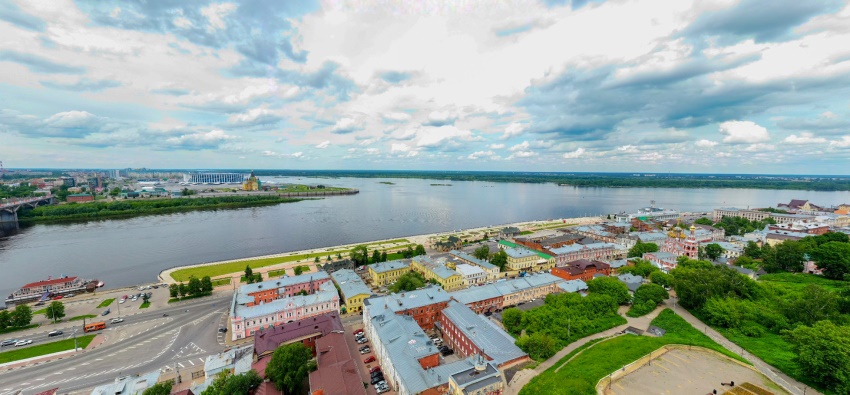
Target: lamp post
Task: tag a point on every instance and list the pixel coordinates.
(75, 340)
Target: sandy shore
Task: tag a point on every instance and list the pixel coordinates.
(386, 244)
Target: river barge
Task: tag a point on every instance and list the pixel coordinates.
(45, 289)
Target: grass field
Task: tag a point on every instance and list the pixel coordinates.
(799, 281)
(220, 282)
(10, 330)
(39, 311)
(145, 305)
(276, 273)
(239, 266)
(580, 375)
(106, 302)
(44, 349)
(82, 317)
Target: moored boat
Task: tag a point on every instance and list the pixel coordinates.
(48, 288)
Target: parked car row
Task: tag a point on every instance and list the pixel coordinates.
(15, 342)
(375, 373)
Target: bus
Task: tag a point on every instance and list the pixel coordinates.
(94, 326)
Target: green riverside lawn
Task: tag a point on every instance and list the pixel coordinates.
(106, 302)
(44, 349)
(239, 266)
(579, 376)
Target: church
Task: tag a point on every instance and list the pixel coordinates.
(252, 183)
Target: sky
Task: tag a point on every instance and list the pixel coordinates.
(711, 86)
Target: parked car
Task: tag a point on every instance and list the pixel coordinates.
(54, 333)
(8, 342)
(380, 384)
(358, 331)
(122, 301)
(363, 347)
(376, 374)
(23, 342)
(222, 330)
(375, 369)
(362, 340)
(106, 312)
(377, 379)
(381, 390)
(57, 297)
(116, 320)
(365, 351)
(370, 359)
(70, 295)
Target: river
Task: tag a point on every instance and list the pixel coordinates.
(132, 251)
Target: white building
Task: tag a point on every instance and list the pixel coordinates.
(472, 275)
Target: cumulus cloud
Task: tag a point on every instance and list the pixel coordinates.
(345, 126)
(199, 140)
(514, 129)
(743, 132)
(497, 146)
(629, 149)
(843, 143)
(705, 143)
(574, 154)
(804, 138)
(324, 144)
(521, 146)
(478, 154)
(215, 14)
(440, 118)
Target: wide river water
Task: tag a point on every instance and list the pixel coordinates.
(132, 251)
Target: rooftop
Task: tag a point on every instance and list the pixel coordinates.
(50, 282)
(469, 270)
(519, 253)
(581, 247)
(268, 340)
(573, 286)
(383, 267)
(492, 341)
(438, 269)
(350, 283)
(326, 293)
(283, 282)
(475, 261)
(337, 371)
(410, 300)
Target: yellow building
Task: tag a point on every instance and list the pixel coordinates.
(520, 259)
(385, 273)
(449, 279)
(353, 289)
(252, 183)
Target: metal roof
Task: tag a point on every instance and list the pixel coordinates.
(326, 293)
(473, 260)
(383, 267)
(350, 283)
(581, 247)
(491, 340)
(573, 286)
(410, 300)
(466, 269)
(283, 282)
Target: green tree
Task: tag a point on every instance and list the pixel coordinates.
(420, 250)
(663, 279)
(481, 252)
(115, 192)
(338, 255)
(181, 289)
(752, 250)
(697, 281)
(407, 252)
(249, 274)
(815, 304)
(376, 256)
(316, 260)
(21, 316)
(360, 255)
(500, 259)
(163, 388)
(194, 287)
(298, 270)
(747, 262)
(787, 256)
(289, 367)
(173, 290)
(258, 277)
(714, 251)
(226, 383)
(538, 346)
(640, 248)
(206, 285)
(610, 286)
(328, 259)
(407, 282)
(383, 256)
(833, 258)
(145, 298)
(704, 221)
(512, 320)
(5, 319)
(55, 311)
(641, 268)
(647, 297)
(823, 352)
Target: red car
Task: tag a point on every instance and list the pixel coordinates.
(57, 297)
(358, 331)
(370, 359)
(375, 369)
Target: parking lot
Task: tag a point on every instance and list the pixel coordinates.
(363, 368)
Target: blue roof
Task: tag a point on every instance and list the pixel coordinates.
(581, 247)
(410, 300)
(473, 260)
(491, 340)
(283, 282)
(383, 267)
(519, 252)
(327, 293)
(437, 268)
(350, 283)
(573, 286)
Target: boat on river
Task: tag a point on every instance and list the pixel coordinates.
(41, 290)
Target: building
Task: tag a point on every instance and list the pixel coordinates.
(730, 251)
(483, 299)
(353, 289)
(594, 251)
(248, 317)
(811, 228)
(545, 243)
(680, 243)
(215, 178)
(423, 305)
(521, 259)
(663, 260)
(492, 271)
(252, 183)
(80, 198)
(385, 273)
(573, 286)
(449, 279)
(799, 205)
(774, 238)
(306, 331)
(481, 378)
(469, 334)
(471, 275)
(757, 215)
(631, 281)
(56, 286)
(513, 292)
(648, 213)
(581, 269)
(336, 372)
(597, 232)
(128, 385)
(236, 361)
(270, 290)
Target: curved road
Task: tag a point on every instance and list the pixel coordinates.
(142, 343)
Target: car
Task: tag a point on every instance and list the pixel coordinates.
(362, 340)
(23, 342)
(363, 348)
(365, 351)
(381, 390)
(447, 352)
(141, 288)
(70, 295)
(370, 359)
(381, 383)
(54, 333)
(116, 320)
(376, 374)
(134, 299)
(122, 301)
(377, 379)
(155, 286)
(57, 297)
(165, 315)
(358, 331)
(105, 313)
(222, 330)
(375, 369)
(8, 342)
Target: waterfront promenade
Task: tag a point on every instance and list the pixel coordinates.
(389, 245)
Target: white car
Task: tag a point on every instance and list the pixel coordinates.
(23, 343)
(122, 301)
(116, 320)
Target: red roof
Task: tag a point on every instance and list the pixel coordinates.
(268, 340)
(267, 388)
(48, 392)
(260, 365)
(50, 282)
(184, 392)
(337, 369)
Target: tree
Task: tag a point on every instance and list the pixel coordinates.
(823, 352)
(641, 268)
(338, 255)
(206, 285)
(298, 270)
(376, 256)
(172, 290)
(512, 320)
(420, 250)
(328, 259)
(538, 346)
(316, 260)
(194, 287)
(360, 255)
(115, 192)
(21, 316)
(833, 258)
(481, 252)
(610, 286)
(815, 304)
(640, 248)
(181, 289)
(249, 274)
(383, 256)
(407, 252)
(163, 388)
(500, 259)
(704, 221)
(226, 383)
(55, 311)
(752, 250)
(663, 279)
(5, 319)
(697, 281)
(407, 282)
(647, 297)
(258, 277)
(145, 298)
(714, 251)
(289, 367)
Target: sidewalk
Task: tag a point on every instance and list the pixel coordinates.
(524, 376)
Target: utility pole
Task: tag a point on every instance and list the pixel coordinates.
(75, 339)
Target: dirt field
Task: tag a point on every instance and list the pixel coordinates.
(688, 372)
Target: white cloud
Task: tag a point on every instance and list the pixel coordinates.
(479, 154)
(434, 137)
(497, 146)
(182, 22)
(70, 119)
(216, 13)
(760, 147)
(575, 154)
(843, 143)
(324, 144)
(629, 149)
(397, 116)
(804, 138)
(200, 140)
(521, 146)
(705, 143)
(514, 129)
(345, 126)
(743, 132)
(522, 154)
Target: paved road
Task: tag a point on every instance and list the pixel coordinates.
(143, 343)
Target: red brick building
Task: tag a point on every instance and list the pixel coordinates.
(80, 198)
(582, 269)
(306, 331)
(425, 315)
(544, 244)
(469, 334)
(337, 369)
(267, 291)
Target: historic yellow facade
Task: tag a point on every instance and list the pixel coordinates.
(252, 183)
(385, 273)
